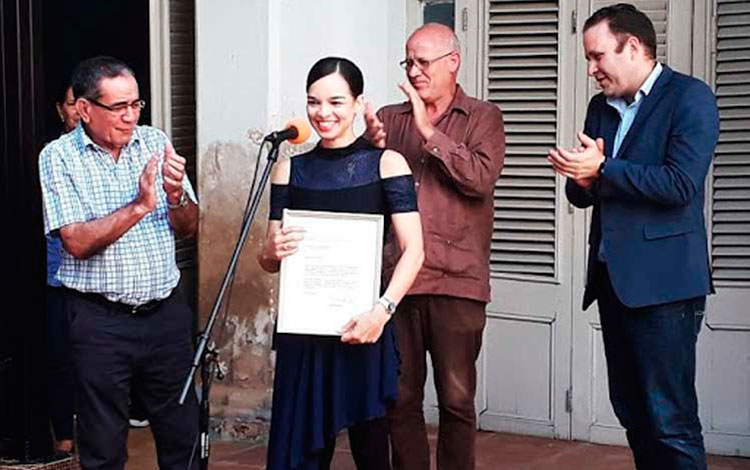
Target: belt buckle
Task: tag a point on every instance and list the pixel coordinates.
(140, 309)
(143, 308)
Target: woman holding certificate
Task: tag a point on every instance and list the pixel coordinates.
(327, 383)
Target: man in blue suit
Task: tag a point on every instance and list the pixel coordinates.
(645, 151)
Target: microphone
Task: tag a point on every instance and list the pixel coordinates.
(295, 131)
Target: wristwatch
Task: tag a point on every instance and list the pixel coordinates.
(601, 166)
(182, 203)
(388, 305)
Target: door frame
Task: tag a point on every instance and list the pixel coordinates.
(160, 65)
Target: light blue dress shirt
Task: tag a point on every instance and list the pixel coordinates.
(627, 111)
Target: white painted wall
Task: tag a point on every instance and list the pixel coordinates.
(253, 57)
(371, 33)
(231, 54)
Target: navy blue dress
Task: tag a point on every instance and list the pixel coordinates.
(322, 385)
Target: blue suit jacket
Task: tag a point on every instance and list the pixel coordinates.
(648, 202)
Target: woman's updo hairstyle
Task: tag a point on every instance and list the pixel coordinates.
(344, 67)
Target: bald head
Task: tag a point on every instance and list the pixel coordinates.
(432, 61)
(438, 34)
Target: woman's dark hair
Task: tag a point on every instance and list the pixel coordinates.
(89, 73)
(626, 20)
(344, 67)
(60, 91)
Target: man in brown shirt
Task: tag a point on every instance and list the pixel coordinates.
(455, 146)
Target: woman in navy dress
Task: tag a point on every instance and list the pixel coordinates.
(324, 384)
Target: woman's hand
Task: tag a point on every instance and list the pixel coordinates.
(280, 243)
(283, 242)
(366, 327)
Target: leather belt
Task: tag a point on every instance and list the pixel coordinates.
(137, 310)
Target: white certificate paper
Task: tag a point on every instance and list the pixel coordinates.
(335, 273)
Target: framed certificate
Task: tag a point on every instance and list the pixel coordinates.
(335, 273)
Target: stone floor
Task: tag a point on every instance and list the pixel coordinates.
(494, 452)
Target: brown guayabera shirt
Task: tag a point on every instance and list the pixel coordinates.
(455, 174)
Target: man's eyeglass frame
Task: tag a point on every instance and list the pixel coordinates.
(120, 108)
(422, 64)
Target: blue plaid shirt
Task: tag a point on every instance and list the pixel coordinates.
(82, 182)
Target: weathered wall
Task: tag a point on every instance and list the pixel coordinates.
(252, 61)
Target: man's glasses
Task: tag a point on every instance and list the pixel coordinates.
(422, 64)
(121, 108)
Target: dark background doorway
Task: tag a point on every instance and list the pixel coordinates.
(41, 41)
(74, 30)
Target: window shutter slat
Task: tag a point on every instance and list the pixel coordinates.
(182, 73)
(730, 232)
(522, 79)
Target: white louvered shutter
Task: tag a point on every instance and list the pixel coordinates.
(182, 71)
(731, 170)
(522, 80)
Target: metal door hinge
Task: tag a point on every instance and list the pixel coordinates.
(574, 21)
(465, 19)
(569, 400)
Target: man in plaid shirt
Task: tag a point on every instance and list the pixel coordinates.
(116, 194)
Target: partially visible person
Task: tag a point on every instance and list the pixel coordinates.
(455, 146)
(60, 396)
(116, 195)
(66, 109)
(324, 384)
(646, 148)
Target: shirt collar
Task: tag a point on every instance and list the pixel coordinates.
(460, 103)
(644, 90)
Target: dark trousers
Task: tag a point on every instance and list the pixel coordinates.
(137, 408)
(651, 365)
(60, 374)
(115, 351)
(369, 445)
(450, 328)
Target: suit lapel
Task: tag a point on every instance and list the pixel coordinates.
(648, 105)
(609, 128)
(609, 122)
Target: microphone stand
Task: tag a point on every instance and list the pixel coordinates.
(206, 355)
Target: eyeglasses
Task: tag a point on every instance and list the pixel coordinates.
(121, 108)
(422, 64)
